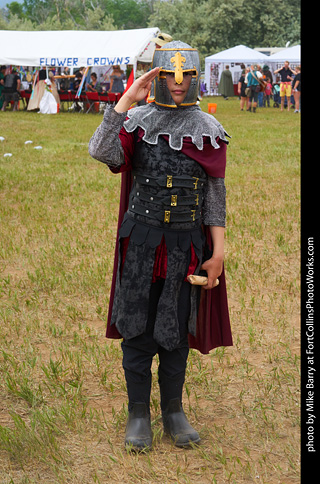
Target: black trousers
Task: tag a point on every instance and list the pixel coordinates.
(138, 354)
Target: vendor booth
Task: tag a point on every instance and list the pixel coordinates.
(94, 50)
(75, 48)
(234, 57)
(291, 54)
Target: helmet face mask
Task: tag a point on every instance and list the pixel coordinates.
(176, 58)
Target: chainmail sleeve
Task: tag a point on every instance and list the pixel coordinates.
(105, 145)
(214, 208)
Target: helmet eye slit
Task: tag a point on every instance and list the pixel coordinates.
(164, 74)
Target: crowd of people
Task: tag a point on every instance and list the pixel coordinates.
(114, 82)
(256, 87)
(13, 81)
(60, 80)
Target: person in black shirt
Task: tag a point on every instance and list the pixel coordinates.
(297, 89)
(42, 74)
(242, 89)
(76, 84)
(78, 78)
(11, 90)
(65, 81)
(2, 74)
(285, 83)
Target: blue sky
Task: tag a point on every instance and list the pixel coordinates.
(3, 3)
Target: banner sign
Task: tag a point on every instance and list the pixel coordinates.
(76, 62)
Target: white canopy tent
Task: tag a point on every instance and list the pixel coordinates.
(74, 48)
(291, 54)
(233, 57)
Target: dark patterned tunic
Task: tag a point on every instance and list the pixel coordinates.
(144, 229)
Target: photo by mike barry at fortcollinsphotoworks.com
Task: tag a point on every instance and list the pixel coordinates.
(309, 418)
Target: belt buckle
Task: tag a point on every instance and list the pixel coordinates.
(169, 181)
(167, 216)
(196, 182)
(174, 200)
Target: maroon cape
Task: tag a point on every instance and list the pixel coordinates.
(213, 323)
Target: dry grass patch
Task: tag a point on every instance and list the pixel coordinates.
(62, 389)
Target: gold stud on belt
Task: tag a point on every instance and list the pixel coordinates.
(167, 216)
(169, 181)
(174, 200)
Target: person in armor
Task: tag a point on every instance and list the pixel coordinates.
(172, 159)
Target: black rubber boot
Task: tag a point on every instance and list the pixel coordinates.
(138, 430)
(175, 424)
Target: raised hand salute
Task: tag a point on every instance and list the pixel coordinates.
(138, 91)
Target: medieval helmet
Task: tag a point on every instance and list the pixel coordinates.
(176, 57)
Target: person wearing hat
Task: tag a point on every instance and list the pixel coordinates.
(161, 39)
(266, 73)
(172, 158)
(253, 84)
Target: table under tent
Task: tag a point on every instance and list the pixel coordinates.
(96, 51)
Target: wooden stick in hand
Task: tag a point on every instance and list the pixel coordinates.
(200, 280)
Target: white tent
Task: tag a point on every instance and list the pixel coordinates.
(292, 54)
(74, 48)
(240, 54)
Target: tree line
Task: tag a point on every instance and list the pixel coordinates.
(209, 25)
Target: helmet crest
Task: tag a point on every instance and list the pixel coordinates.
(178, 62)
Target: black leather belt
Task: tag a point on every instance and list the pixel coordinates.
(168, 200)
(170, 181)
(166, 216)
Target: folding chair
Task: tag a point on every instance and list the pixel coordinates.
(65, 98)
(104, 100)
(25, 96)
(92, 98)
(112, 97)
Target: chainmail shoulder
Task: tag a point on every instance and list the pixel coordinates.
(176, 123)
(105, 144)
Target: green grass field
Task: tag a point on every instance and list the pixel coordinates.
(62, 389)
